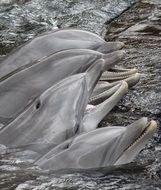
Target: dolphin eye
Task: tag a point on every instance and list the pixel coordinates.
(38, 104)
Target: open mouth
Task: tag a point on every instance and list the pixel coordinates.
(148, 130)
(117, 74)
(138, 140)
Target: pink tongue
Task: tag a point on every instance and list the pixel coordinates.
(89, 107)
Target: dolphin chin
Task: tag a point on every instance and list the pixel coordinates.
(138, 144)
(100, 148)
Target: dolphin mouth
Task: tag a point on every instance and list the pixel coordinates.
(117, 73)
(139, 134)
(147, 130)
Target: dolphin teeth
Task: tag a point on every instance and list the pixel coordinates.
(118, 74)
(149, 127)
(103, 94)
(92, 119)
(122, 70)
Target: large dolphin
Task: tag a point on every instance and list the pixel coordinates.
(52, 42)
(19, 88)
(59, 113)
(100, 148)
(56, 114)
(75, 56)
(64, 136)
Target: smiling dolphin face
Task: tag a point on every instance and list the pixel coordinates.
(100, 148)
(56, 114)
(52, 42)
(19, 89)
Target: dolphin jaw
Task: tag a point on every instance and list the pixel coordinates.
(147, 129)
(116, 73)
(137, 143)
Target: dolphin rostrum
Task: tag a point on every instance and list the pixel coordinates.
(59, 113)
(104, 89)
(52, 42)
(18, 89)
(55, 115)
(100, 148)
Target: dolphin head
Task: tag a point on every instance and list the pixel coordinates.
(52, 42)
(39, 76)
(55, 115)
(101, 147)
(138, 133)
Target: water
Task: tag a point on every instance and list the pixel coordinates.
(21, 20)
(139, 28)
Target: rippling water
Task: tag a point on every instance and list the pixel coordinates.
(21, 20)
(139, 28)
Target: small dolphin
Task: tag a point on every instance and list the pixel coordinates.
(100, 148)
(18, 89)
(52, 42)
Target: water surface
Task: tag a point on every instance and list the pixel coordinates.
(139, 28)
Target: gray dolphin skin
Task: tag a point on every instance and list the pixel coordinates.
(44, 116)
(94, 117)
(54, 92)
(52, 42)
(38, 127)
(99, 148)
(105, 89)
(51, 118)
(18, 89)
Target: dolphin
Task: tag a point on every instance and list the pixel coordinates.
(52, 42)
(77, 56)
(18, 89)
(109, 80)
(93, 117)
(64, 136)
(55, 115)
(98, 148)
(59, 113)
(104, 89)
(118, 73)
